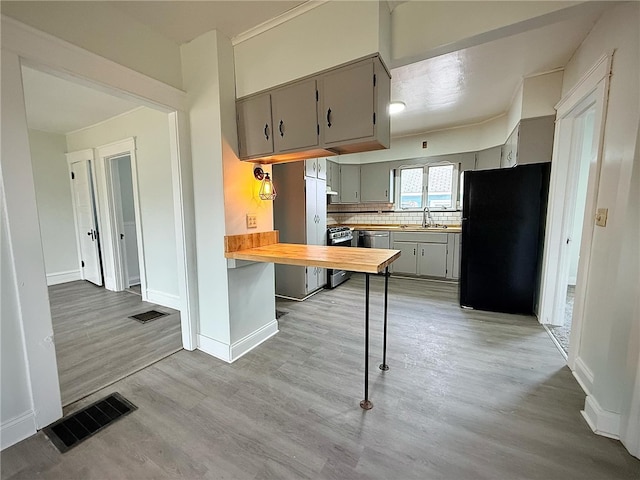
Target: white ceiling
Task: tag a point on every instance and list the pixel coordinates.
(478, 83)
(455, 89)
(60, 106)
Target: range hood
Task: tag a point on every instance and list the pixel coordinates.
(330, 191)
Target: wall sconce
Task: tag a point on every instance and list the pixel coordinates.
(267, 189)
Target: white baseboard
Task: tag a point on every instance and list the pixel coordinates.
(231, 353)
(601, 421)
(251, 341)
(214, 348)
(583, 375)
(63, 277)
(17, 429)
(164, 299)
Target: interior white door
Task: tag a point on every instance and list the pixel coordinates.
(86, 221)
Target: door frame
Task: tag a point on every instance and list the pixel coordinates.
(74, 157)
(595, 83)
(113, 260)
(24, 45)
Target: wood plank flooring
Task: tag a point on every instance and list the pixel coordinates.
(97, 344)
(470, 395)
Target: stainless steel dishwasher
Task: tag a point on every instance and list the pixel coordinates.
(373, 239)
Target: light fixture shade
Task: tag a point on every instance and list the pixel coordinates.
(396, 107)
(267, 189)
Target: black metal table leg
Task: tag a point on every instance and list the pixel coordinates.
(366, 403)
(383, 366)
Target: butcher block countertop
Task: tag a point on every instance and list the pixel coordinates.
(262, 247)
(404, 228)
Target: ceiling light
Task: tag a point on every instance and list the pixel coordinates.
(396, 107)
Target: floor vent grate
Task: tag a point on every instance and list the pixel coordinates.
(73, 429)
(145, 317)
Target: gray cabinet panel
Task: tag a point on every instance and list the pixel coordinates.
(333, 181)
(488, 159)
(255, 132)
(376, 182)
(407, 261)
(348, 103)
(535, 142)
(349, 183)
(432, 259)
(295, 117)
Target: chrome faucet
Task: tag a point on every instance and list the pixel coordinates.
(426, 214)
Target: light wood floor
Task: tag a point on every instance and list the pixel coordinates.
(470, 395)
(96, 344)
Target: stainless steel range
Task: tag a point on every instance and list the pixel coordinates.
(338, 237)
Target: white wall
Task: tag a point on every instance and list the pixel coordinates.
(606, 344)
(106, 31)
(151, 130)
(14, 386)
(55, 209)
(200, 73)
(470, 138)
(540, 94)
(328, 35)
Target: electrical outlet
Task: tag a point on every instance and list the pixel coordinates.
(252, 220)
(601, 217)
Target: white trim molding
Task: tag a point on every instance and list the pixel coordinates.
(63, 277)
(583, 375)
(601, 421)
(17, 429)
(231, 353)
(164, 299)
(251, 341)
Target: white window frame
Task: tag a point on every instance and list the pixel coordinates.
(455, 187)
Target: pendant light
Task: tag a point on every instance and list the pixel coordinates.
(267, 188)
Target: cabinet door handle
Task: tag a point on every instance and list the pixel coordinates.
(414, 252)
(280, 128)
(329, 118)
(423, 252)
(314, 166)
(266, 131)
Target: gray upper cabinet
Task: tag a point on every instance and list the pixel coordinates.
(316, 168)
(354, 107)
(349, 183)
(376, 182)
(333, 181)
(286, 122)
(295, 117)
(530, 142)
(255, 131)
(488, 159)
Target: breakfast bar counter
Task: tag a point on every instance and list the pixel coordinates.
(264, 247)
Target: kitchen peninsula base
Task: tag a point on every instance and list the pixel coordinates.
(264, 247)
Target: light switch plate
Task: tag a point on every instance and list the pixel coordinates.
(601, 217)
(252, 220)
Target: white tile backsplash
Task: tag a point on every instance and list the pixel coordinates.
(375, 216)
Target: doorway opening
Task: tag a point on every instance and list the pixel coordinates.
(581, 156)
(125, 220)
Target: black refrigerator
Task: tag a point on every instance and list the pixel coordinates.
(503, 221)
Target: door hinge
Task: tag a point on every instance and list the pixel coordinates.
(374, 118)
(317, 97)
(318, 128)
(374, 79)
(82, 262)
(73, 176)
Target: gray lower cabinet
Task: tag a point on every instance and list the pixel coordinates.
(407, 261)
(376, 181)
(349, 183)
(424, 253)
(255, 131)
(300, 215)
